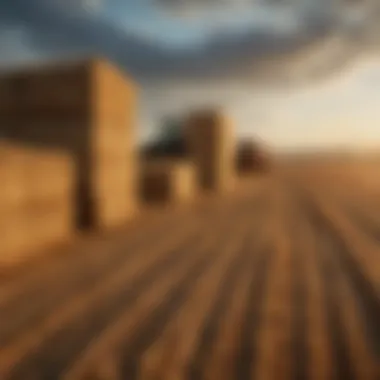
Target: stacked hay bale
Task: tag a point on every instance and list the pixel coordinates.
(36, 200)
(12, 196)
(85, 109)
(211, 146)
(113, 181)
(50, 198)
(165, 180)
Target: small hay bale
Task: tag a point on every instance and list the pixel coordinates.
(167, 180)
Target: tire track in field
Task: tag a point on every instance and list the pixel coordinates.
(72, 308)
(353, 354)
(49, 363)
(216, 351)
(361, 213)
(129, 321)
(274, 354)
(299, 294)
(73, 338)
(168, 356)
(365, 223)
(367, 296)
(32, 308)
(229, 288)
(61, 268)
(253, 318)
(358, 346)
(342, 365)
(134, 349)
(110, 338)
(348, 300)
(246, 354)
(361, 355)
(17, 290)
(84, 303)
(317, 361)
(298, 299)
(360, 251)
(367, 301)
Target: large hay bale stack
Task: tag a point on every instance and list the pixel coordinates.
(167, 180)
(87, 109)
(36, 200)
(211, 145)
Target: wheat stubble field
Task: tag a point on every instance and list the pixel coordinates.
(279, 281)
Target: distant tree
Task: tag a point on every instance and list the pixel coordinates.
(171, 130)
(170, 140)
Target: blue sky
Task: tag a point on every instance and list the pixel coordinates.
(186, 27)
(148, 38)
(193, 55)
(167, 37)
(183, 27)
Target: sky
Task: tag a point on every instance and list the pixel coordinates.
(298, 73)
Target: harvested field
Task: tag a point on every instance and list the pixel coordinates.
(279, 281)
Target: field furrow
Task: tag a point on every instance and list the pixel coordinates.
(280, 281)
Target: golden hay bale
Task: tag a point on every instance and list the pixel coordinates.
(49, 226)
(13, 170)
(114, 209)
(37, 196)
(211, 145)
(14, 239)
(86, 108)
(167, 181)
(25, 234)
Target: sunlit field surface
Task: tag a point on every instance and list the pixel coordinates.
(279, 280)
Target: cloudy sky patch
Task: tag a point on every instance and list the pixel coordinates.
(285, 70)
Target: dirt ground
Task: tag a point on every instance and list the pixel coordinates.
(280, 281)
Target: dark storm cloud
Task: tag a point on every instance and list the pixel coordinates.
(58, 27)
